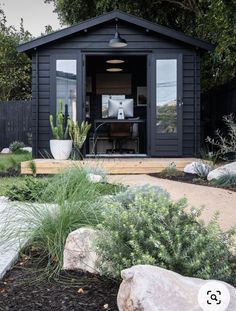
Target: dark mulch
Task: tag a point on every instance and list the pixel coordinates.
(191, 179)
(71, 291)
(11, 172)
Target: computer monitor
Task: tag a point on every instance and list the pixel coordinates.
(120, 108)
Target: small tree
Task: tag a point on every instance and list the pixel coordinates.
(223, 144)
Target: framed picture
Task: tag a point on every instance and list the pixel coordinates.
(141, 96)
(87, 106)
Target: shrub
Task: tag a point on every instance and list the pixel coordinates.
(171, 171)
(31, 190)
(223, 144)
(226, 180)
(202, 169)
(16, 146)
(12, 162)
(150, 229)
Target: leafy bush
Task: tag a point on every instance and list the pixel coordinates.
(16, 146)
(31, 190)
(226, 180)
(12, 162)
(171, 171)
(147, 228)
(223, 144)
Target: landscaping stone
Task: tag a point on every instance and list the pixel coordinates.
(150, 288)
(28, 149)
(191, 168)
(6, 150)
(94, 178)
(222, 170)
(79, 251)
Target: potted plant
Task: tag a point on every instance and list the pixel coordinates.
(60, 145)
(78, 134)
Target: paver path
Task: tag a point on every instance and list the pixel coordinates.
(213, 199)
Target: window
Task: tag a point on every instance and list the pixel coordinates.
(66, 78)
(166, 95)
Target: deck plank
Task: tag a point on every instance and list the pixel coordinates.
(112, 166)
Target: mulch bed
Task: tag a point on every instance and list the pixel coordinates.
(11, 172)
(191, 179)
(71, 291)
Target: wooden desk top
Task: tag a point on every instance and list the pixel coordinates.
(131, 120)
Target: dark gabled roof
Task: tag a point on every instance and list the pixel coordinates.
(26, 47)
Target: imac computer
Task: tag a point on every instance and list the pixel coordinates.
(120, 108)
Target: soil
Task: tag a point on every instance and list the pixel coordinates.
(191, 179)
(70, 291)
(11, 172)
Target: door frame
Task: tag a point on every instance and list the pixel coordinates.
(154, 135)
(82, 87)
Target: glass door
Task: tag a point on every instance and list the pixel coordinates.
(166, 105)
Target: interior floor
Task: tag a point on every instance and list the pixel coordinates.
(116, 105)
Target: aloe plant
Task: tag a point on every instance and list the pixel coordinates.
(78, 133)
(60, 131)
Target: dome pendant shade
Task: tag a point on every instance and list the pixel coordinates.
(117, 41)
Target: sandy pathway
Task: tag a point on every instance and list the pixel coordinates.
(213, 199)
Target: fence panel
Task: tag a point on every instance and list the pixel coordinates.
(15, 122)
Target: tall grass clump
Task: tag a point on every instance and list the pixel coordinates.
(146, 227)
(75, 203)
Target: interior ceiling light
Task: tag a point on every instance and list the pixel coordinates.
(117, 41)
(115, 61)
(114, 69)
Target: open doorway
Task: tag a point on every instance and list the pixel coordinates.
(116, 105)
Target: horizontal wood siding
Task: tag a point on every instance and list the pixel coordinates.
(96, 39)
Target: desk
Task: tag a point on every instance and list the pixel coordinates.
(98, 123)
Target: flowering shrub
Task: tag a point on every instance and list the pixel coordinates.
(144, 226)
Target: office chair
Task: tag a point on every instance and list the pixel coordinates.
(120, 133)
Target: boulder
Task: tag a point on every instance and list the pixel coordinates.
(79, 251)
(6, 150)
(222, 170)
(28, 149)
(150, 288)
(95, 178)
(191, 168)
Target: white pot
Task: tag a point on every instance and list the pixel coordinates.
(60, 149)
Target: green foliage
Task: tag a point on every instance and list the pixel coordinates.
(31, 190)
(151, 229)
(212, 20)
(78, 133)
(15, 68)
(202, 169)
(226, 180)
(171, 171)
(12, 161)
(60, 131)
(7, 182)
(16, 146)
(223, 144)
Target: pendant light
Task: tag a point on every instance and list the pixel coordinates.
(115, 61)
(117, 41)
(114, 69)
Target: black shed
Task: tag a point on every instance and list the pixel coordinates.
(155, 75)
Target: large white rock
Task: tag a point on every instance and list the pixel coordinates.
(79, 251)
(6, 150)
(94, 178)
(191, 168)
(222, 170)
(150, 288)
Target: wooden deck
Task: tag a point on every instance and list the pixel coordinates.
(112, 166)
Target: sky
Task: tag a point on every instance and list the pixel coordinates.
(36, 15)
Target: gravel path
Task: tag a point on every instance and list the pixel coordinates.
(213, 199)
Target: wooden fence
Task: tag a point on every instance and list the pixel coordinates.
(15, 122)
(217, 103)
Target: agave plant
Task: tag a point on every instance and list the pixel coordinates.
(60, 131)
(78, 133)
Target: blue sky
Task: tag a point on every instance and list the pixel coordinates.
(36, 14)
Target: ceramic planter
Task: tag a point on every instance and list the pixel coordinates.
(60, 149)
